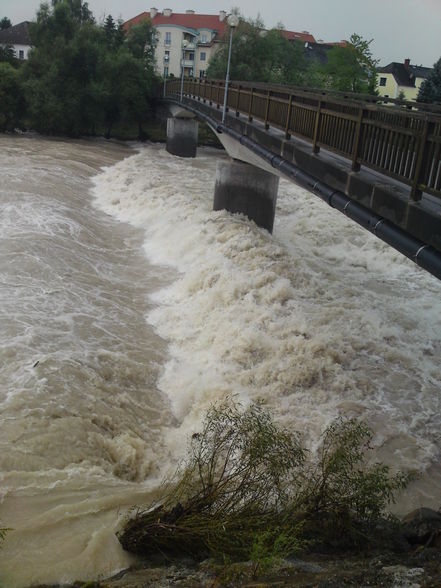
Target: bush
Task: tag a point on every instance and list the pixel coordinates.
(344, 497)
(247, 491)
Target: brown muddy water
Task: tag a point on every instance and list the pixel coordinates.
(127, 306)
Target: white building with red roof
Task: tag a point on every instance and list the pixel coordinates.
(202, 33)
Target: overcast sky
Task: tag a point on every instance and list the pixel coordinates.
(400, 28)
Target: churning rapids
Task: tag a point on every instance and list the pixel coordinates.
(127, 306)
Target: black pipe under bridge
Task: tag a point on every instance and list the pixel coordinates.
(378, 164)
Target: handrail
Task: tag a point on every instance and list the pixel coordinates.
(398, 142)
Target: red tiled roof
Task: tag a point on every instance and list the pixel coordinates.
(190, 21)
(293, 36)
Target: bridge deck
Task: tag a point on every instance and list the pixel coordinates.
(400, 143)
(399, 210)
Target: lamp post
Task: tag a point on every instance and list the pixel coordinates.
(233, 21)
(184, 45)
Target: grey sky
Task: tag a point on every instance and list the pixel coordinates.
(400, 28)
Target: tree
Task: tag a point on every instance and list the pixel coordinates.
(11, 97)
(109, 30)
(351, 68)
(140, 42)
(5, 23)
(430, 90)
(7, 54)
(82, 77)
(261, 56)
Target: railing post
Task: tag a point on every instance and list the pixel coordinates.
(288, 119)
(237, 100)
(357, 141)
(218, 95)
(315, 147)
(250, 109)
(416, 193)
(268, 96)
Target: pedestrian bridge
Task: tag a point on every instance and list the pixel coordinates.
(379, 164)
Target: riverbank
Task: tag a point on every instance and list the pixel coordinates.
(419, 568)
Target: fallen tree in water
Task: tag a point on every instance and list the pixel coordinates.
(248, 491)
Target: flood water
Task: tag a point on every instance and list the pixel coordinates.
(127, 306)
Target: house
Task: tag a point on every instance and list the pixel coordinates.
(201, 32)
(18, 38)
(401, 80)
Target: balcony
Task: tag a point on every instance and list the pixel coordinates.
(188, 62)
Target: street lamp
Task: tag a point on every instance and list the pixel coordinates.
(184, 45)
(233, 21)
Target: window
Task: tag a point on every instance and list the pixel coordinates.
(167, 56)
(203, 38)
(202, 73)
(191, 57)
(168, 38)
(383, 81)
(203, 56)
(165, 72)
(21, 54)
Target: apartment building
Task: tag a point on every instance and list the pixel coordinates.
(202, 34)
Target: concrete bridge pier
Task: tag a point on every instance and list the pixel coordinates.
(241, 187)
(182, 136)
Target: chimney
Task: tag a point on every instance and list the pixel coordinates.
(222, 15)
(189, 12)
(167, 12)
(407, 63)
(153, 12)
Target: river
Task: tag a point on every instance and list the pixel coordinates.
(127, 306)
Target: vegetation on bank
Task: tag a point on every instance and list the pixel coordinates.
(81, 78)
(249, 491)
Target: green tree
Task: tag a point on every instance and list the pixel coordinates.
(260, 56)
(82, 77)
(11, 97)
(141, 42)
(430, 90)
(351, 68)
(109, 30)
(5, 23)
(7, 54)
(124, 90)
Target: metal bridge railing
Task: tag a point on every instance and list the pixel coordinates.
(394, 140)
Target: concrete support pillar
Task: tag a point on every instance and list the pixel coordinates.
(241, 187)
(182, 136)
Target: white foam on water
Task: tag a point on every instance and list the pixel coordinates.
(320, 319)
